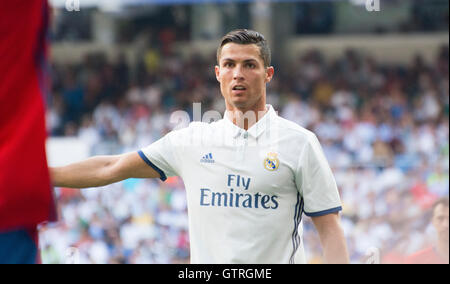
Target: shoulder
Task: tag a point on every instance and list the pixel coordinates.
(192, 126)
(295, 131)
(193, 130)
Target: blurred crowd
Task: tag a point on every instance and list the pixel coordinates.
(383, 127)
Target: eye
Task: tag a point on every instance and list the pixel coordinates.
(251, 65)
(228, 64)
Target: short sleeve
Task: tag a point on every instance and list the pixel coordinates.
(162, 156)
(315, 181)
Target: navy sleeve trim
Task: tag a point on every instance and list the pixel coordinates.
(162, 175)
(324, 212)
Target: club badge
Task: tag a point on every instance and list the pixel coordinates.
(271, 162)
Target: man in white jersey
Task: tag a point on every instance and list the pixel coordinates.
(249, 177)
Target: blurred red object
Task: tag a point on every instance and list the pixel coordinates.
(26, 197)
(422, 196)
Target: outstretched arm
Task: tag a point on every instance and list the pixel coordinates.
(101, 170)
(332, 238)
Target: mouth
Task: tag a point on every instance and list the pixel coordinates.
(238, 89)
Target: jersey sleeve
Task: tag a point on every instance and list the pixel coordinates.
(315, 181)
(162, 155)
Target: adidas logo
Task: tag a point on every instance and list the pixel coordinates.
(208, 158)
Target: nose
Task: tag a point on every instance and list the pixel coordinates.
(237, 73)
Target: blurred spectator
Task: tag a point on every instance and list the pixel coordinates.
(438, 252)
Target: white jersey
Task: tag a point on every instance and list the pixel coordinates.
(247, 190)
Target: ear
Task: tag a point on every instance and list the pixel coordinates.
(217, 71)
(269, 73)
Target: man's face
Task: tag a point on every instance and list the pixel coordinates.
(440, 221)
(242, 76)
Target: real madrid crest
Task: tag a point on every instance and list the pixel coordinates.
(271, 162)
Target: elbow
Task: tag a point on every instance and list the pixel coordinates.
(111, 172)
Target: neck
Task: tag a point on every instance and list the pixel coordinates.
(443, 248)
(246, 117)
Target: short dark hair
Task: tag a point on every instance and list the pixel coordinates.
(244, 36)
